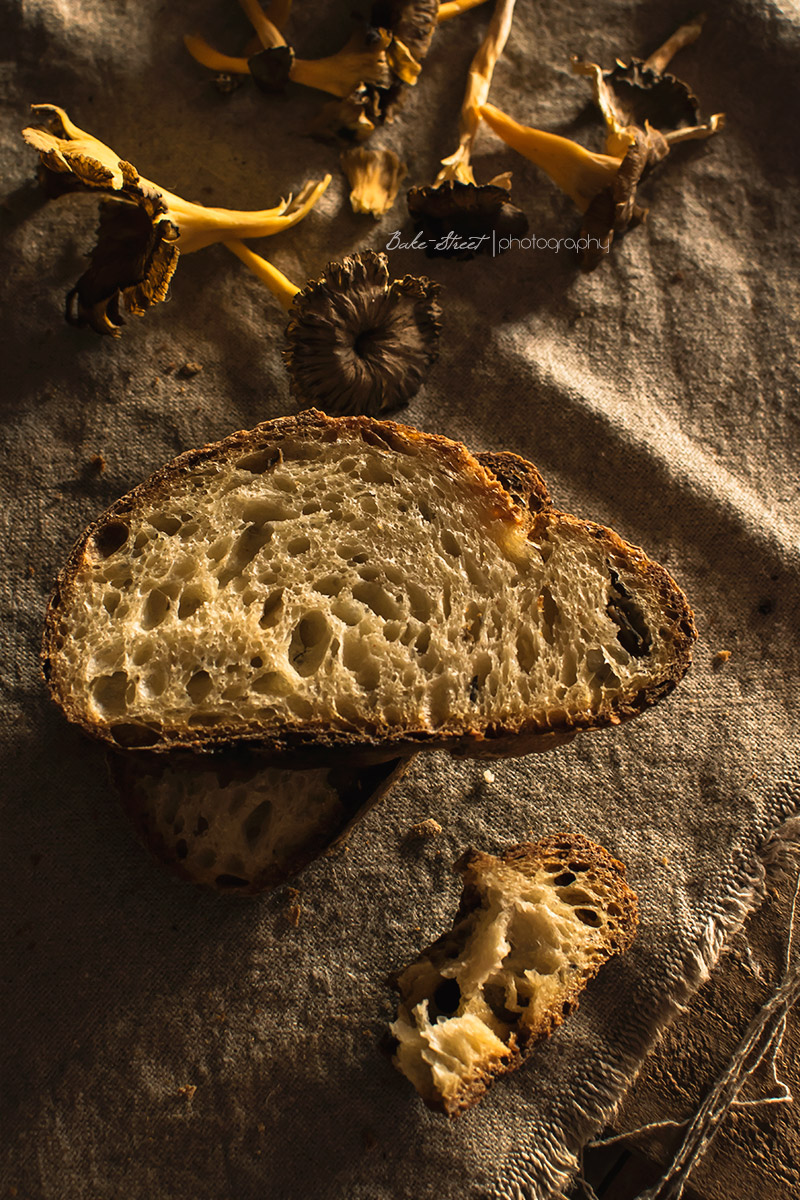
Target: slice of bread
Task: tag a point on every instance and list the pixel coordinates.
(320, 585)
(534, 925)
(231, 823)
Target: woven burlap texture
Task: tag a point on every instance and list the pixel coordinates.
(160, 1042)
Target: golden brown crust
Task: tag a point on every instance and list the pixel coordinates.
(519, 477)
(316, 744)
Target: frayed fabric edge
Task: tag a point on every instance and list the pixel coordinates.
(550, 1175)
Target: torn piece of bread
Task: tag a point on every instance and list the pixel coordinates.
(232, 823)
(534, 925)
(320, 585)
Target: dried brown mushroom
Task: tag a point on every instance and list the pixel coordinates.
(362, 60)
(143, 228)
(357, 341)
(455, 216)
(374, 177)
(412, 24)
(640, 92)
(646, 114)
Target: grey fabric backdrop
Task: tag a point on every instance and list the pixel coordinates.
(657, 395)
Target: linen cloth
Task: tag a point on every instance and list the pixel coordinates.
(162, 1042)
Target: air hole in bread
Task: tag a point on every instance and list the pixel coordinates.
(155, 609)
(191, 600)
(378, 599)
(347, 611)
(111, 600)
(199, 687)
(447, 997)
(526, 651)
(111, 538)
(450, 543)
(298, 545)
(271, 612)
(133, 735)
(108, 692)
(549, 610)
(155, 681)
(569, 668)
(262, 511)
(244, 550)
(257, 822)
(165, 523)
(219, 548)
(588, 916)
(309, 643)
(260, 461)
(634, 633)
(564, 879)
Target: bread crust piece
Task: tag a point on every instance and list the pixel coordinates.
(452, 1070)
(311, 743)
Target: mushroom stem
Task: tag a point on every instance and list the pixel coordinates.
(576, 171)
(200, 226)
(354, 64)
(618, 137)
(684, 36)
(207, 56)
(453, 8)
(479, 79)
(696, 132)
(281, 287)
(266, 30)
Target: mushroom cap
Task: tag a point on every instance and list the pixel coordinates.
(413, 22)
(131, 265)
(469, 210)
(358, 342)
(270, 68)
(641, 95)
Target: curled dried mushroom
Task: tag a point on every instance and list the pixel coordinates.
(357, 341)
(646, 113)
(143, 227)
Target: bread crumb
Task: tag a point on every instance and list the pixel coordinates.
(97, 463)
(189, 369)
(664, 860)
(426, 829)
(261, 1127)
(719, 658)
(221, 1017)
(188, 1090)
(294, 912)
(489, 776)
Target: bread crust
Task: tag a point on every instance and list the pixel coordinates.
(315, 743)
